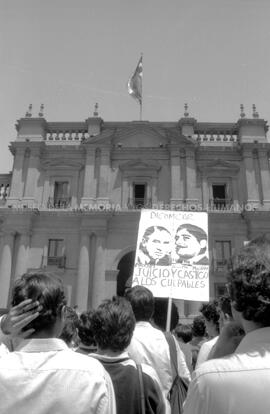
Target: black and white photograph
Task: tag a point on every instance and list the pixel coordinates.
(134, 206)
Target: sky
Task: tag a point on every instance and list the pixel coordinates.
(70, 54)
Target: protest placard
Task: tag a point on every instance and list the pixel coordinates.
(172, 257)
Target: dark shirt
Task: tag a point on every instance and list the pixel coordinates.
(126, 384)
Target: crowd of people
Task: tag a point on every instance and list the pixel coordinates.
(117, 358)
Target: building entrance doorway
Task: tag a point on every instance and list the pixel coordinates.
(124, 277)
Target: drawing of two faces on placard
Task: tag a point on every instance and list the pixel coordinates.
(189, 246)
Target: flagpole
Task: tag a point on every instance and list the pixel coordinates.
(169, 314)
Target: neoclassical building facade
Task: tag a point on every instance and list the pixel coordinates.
(71, 204)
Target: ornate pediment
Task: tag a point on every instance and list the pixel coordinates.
(139, 136)
(104, 137)
(139, 165)
(218, 165)
(176, 137)
(61, 164)
(139, 168)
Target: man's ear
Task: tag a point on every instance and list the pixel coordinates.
(203, 244)
(63, 314)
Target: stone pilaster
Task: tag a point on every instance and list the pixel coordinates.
(6, 267)
(125, 192)
(191, 177)
(89, 187)
(265, 176)
(22, 255)
(83, 273)
(251, 184)
(16, 189)
(99, 289)
(32, 176)
(176, 187)
(154, 190)
(205, 192)
(103, 185)
(235, 193)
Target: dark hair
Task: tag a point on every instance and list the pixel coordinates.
(142, 302)
(184, 332)
(45, 288)
(211, 313)
(224, 303)
(196, 231)
(85, 329)
(249, 281)
(198, 326)
(69, 333)
(147, 234)
(160, 314)
(152, 229)
(113, 324)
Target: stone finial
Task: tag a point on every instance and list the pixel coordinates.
(186, 114)
(29, 112)
(41, 111)
(254, 112)
(96, 110)
(242, 113)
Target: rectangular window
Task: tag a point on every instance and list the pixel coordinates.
(219, 195)
(223, 252)
(55, 251)
(139, 191)
(220, 290)
(61, 197)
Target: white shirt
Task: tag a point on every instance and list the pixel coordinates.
(149, 346)
(3, 350)
(205, 350)
(236, 384)
(43, 376)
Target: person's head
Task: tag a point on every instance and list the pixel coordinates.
(70, 330)
(225, 310)
(49, 292)
(156, 242)
(183, 332)
(113, 325)
(198, 327)
(190, 241)
(249, 283)
(85, 329)
(160, 314)
(142, 302)
(210, 313)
